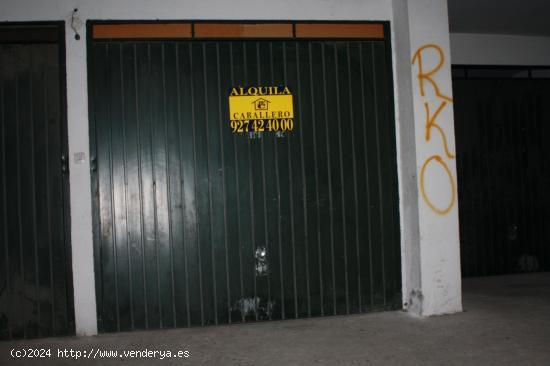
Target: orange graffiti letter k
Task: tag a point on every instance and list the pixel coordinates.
(427, 76)
(432, 122)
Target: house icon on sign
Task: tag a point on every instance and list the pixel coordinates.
(261, 104)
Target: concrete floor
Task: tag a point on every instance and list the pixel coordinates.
(506, 322)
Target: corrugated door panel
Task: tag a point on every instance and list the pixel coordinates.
(234, 189)
(299, 290)
(503, 171)
(35, 281)
(183, 205)
(372, 168)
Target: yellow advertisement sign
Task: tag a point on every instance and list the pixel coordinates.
(260, 109)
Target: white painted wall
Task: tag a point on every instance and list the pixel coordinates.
(191, 9)
(498, 49)
(434, 251)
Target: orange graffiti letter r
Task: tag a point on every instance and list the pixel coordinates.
(427, 75)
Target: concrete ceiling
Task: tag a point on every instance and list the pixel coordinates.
(522, 17)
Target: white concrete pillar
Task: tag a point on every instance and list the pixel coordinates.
(431, 246)
(80, 186)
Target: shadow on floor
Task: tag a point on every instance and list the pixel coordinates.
(506, 322)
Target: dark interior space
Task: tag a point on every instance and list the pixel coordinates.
(501, 124)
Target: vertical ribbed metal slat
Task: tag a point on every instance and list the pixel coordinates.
(182, 205)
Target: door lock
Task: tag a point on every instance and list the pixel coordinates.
(64, 165)
(262, 267)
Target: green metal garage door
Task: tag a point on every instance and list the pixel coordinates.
(36, 294)
(197, 225)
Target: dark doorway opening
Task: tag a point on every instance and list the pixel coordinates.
(502, 124)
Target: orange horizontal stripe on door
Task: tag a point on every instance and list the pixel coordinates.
(145, 31)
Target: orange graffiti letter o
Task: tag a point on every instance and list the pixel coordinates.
(438, 210)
